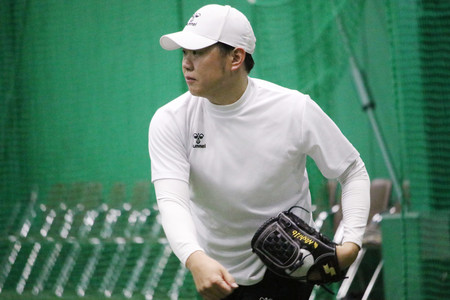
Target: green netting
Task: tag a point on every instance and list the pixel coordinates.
(421, 65)
(80, 80)
(420, 43)
(421, 271)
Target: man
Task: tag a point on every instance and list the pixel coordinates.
(231, 153)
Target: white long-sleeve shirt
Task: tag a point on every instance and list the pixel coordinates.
(221, 171)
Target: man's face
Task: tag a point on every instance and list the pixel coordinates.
(205, 71)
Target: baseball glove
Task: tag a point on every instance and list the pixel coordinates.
(291, 248)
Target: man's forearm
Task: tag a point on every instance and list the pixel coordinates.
(355, 183)
(173, 203)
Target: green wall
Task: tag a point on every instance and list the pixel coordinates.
(90, 74)
(93, 76)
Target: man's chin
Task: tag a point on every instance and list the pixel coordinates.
(195, 92)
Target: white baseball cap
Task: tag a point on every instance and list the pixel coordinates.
(211, 24)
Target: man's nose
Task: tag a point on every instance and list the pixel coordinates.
(187, 63)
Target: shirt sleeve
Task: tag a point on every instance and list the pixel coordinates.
(355, 183)
(173, 202)
(336, 157)
(324, 142)
(167, 149)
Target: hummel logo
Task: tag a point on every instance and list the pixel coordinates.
(198, 139)
(192, 20)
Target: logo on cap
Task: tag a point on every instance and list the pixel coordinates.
(192, 21)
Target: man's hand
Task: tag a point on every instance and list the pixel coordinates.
(212, 280)
(346, 254)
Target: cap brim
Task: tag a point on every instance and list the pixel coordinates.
(186, 40)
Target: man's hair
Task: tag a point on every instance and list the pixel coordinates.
(248, 62)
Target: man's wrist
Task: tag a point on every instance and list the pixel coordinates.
(193, 257)
(347, 253)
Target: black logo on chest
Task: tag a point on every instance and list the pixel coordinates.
(198, 140)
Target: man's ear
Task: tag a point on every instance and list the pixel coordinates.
(238, 57)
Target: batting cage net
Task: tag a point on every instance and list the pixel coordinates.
(80, 81)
